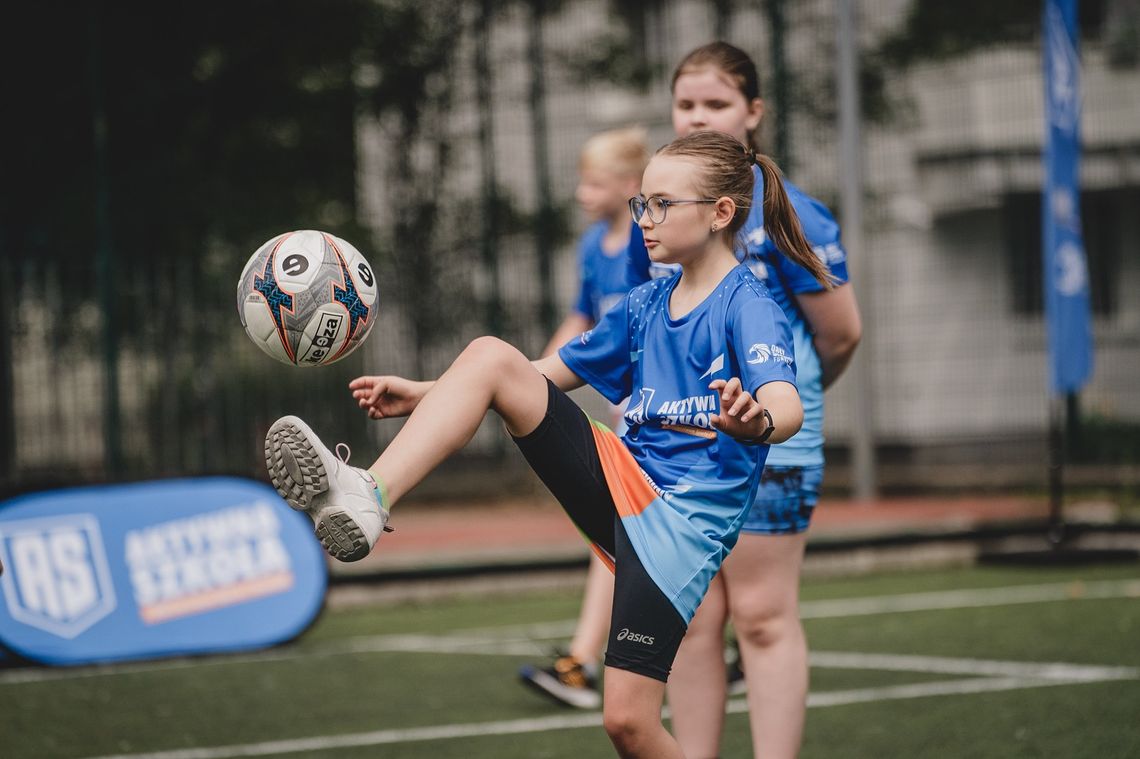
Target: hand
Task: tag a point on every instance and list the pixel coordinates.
(741, 415)
(387, 397)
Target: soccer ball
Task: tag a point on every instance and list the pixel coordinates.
(307, 298)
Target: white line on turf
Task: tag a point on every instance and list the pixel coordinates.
(566, 722)
(522, 640)
(971, 598)
(987, 667)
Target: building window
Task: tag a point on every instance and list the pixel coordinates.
(1102, 219)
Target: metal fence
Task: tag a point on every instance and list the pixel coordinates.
(460, 192)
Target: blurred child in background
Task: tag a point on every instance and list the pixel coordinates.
(609, 174)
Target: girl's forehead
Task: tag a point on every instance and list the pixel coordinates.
(669, 175)
(705, 80)
(595, 172)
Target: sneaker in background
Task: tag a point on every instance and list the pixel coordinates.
(566, 681)
(734, 670)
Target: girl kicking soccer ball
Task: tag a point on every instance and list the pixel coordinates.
(706, 356)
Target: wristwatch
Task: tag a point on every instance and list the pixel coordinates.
(763, 436)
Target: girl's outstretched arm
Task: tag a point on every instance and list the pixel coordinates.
(489, 375)
(742, 415)
(388, 397)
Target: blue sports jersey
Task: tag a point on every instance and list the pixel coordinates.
(704, 480)
(786, 279)
(604, 275)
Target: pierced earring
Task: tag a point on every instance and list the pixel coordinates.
(715, 227)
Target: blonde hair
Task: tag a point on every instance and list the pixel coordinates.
(619, 151)
(725, 171)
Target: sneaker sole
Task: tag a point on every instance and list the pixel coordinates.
(299, 476)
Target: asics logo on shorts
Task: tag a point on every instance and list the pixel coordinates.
(633, 637)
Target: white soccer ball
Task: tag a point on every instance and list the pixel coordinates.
(307, 298)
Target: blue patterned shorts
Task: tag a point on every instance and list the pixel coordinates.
(784, 501)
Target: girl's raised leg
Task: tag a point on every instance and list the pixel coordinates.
(348, 505)
(489, 375)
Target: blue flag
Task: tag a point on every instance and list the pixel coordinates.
(1066, 270)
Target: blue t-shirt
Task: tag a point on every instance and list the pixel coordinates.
(784, 279)
(704, 480)
(604, 275)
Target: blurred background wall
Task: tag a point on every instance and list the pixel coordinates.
(149, 151)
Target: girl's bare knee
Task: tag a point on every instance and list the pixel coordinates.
(487, 348)
(494, 356)
(765, 627)
(625, 728)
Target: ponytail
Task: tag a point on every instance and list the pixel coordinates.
(726, 171)
(782, 225)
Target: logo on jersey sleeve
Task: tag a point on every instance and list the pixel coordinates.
(756, 238)
(758, 268)
(58, 579)
(761, 352)
(831, 254)
(607, 303)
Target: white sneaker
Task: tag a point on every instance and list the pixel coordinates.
(342, 500)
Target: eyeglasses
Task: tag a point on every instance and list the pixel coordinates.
(656, 206)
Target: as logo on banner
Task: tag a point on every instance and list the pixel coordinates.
(57, 577)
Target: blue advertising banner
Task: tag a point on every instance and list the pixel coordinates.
(155, 569)
(1066, 271)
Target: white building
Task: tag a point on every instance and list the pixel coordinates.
(954, 330)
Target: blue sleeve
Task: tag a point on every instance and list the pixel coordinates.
(600, 356)
(762, 339)
(822, 232)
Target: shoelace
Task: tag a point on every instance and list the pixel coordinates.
(344, 457)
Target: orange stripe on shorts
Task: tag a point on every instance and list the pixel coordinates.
(631, 491)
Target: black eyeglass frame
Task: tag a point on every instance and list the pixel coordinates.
(642, 202)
